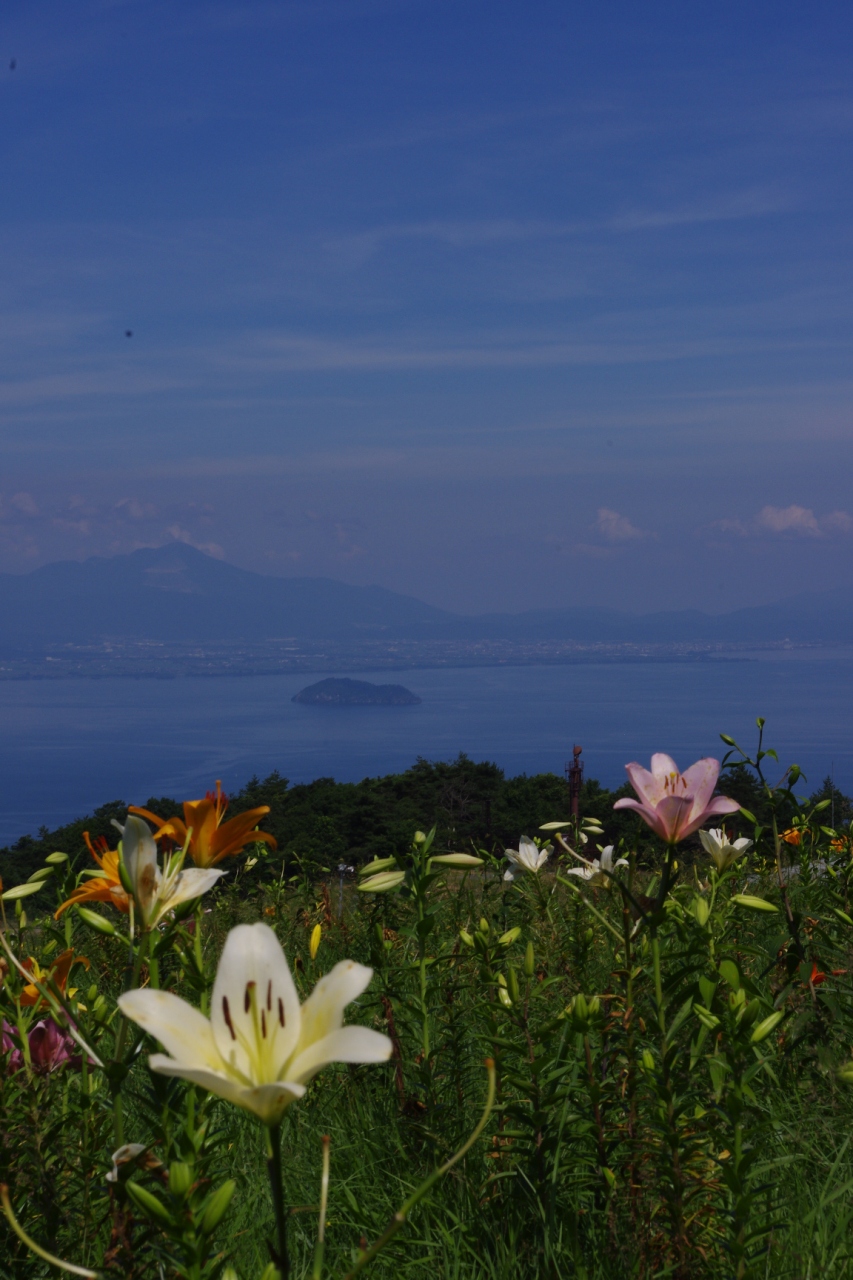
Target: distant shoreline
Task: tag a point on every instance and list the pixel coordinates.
(178, 662)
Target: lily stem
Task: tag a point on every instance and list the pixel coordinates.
(118, 1112)
(317, 1273)
(282, 1259)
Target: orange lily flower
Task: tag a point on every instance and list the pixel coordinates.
(792, 836)
(104, 888)
(210, 839)
(54, 976)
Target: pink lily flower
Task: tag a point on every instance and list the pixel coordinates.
(49, 1047)
(676, 804)
(7, 1045)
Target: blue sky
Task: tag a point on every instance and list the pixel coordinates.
(503, 305)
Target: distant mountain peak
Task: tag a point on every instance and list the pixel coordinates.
(176, 593)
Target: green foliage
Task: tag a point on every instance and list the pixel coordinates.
(670, 1084)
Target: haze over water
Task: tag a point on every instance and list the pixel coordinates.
(70, 745)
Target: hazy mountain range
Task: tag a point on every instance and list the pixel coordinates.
(176, 594)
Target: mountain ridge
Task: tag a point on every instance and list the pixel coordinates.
(177, 594)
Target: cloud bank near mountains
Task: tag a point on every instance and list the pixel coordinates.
(793, 520)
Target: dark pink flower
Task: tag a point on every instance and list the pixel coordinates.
(7, 1044)
(676, 804)
(50, 1048)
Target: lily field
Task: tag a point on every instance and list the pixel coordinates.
(612, 1044)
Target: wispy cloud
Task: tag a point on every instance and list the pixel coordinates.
(617, 528)
(791, 521)
(183, 535)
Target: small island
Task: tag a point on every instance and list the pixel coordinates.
(356, 693)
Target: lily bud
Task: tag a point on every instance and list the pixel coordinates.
(484, 926)
(512, 983)
(701, 910)
(466, 938)
(56, 859)
(647, 1060)
(529, 961)
(99, 923)
(217, 1207)
(378, 864)
(459, 861)
(314, 944)
(508, 938)
(20, 891)
(383, 883)
(149, 1203)
(419, 837)
(41, 874)
(752, 903)
(763, 1030)
(180, 1178)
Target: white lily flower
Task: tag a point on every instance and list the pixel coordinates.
(156, 892)
(124, 1155)
(526, 858)
(722, 850)
(259, 1048)
(599, 870)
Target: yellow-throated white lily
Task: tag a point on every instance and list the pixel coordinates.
(723, 851)
(154, 891)
(259, 1048)
(598, 870)
(526, 858)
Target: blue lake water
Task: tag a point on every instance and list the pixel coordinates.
(69, 745)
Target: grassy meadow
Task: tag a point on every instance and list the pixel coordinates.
(669, 1031)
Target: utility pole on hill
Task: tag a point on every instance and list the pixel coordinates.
(574, 777)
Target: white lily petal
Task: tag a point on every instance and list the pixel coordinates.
(323, 1011)
(254, 1006)
(347, 1044)
(183, 1031)
(267, 1101)
(139, 854)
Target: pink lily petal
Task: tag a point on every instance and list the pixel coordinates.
(647, 812)
(674, 814)
(663, 765)
(701, 778)
(721, 804)
(648, 787)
